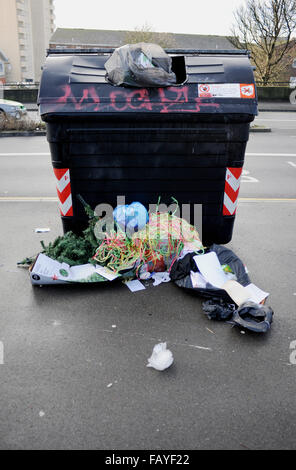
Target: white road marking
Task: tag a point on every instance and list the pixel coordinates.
(22, 154)
(7, 154)
(270, 154)
(28, 199)
(248, 179)
(276, 120)
(266, 199)
(54, 199)
(292, 164)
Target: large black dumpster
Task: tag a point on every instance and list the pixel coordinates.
(187, 141)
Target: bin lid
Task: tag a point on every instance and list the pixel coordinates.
(73, 81)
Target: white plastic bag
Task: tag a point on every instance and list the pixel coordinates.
(161, 357)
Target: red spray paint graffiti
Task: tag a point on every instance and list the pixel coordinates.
(161, 100)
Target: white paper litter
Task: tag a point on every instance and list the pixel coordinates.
(211, 269)
(135, 285)
(257, 295)
(238, 293)
(42, 230)
(49, 271)
(105, 272)
(161, 357)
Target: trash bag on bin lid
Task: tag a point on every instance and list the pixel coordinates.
(140, 65)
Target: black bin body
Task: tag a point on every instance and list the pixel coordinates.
(187, 141)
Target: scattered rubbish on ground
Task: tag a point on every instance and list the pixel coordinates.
(109, 385)
(114, 326)
(161, 357)
(42, 230)
(155, 247)
(210, 330)
(160, 277)
(135, 285)
(41, 414)
(217, 309)
(253, 316)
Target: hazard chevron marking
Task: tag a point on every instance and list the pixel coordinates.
(63, 178)
(233, 177)
(65, 194)
(66, 208)
(229, 206)
(63, 185)
(232, 185)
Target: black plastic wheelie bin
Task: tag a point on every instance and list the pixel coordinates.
(187, 141)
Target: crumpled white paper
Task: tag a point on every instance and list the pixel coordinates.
(161, 357)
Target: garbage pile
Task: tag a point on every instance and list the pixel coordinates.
(155, 246)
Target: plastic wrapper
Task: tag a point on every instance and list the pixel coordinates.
(140, 65)
(131, 218)
(161, 357)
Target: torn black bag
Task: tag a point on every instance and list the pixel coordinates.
(225, 256)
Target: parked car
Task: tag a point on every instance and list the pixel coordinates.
(12, 108)
(292, 82)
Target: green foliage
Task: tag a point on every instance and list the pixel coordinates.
(70, 248)
(75, 249)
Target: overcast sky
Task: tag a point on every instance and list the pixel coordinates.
(192, 16)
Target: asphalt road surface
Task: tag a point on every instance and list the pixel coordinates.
(61, 351)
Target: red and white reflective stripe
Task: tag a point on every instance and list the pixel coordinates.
(63, 185)
(232, 184)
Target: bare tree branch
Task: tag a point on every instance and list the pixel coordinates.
(265, 27)
(145, 33)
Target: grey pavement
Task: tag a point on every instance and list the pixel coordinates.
(276, 106)
(225, 390)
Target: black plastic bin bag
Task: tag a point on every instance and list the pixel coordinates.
(140, 65)
(225, 256)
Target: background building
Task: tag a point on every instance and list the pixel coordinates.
(25, 29)
(4, 67)
(80, 38)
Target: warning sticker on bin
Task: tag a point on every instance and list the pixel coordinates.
(226, 90)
